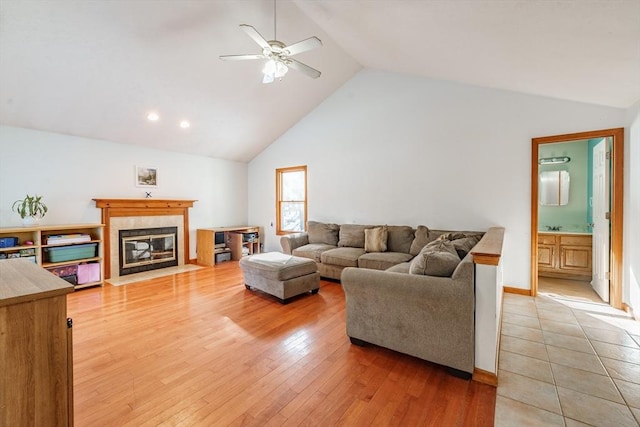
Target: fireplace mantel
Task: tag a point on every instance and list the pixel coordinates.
(143, 203)
(142, 207)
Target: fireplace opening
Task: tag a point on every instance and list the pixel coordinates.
(145, 249)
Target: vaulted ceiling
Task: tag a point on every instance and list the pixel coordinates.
(95, 68)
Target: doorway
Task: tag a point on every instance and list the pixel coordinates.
(542, 250)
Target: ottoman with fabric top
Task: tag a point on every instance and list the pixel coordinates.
(281, 275)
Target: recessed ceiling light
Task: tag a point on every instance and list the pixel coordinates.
(153, 116)
(185, 124)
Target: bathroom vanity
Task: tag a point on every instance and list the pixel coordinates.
(564, 255)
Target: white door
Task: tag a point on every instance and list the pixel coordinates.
(600, 281)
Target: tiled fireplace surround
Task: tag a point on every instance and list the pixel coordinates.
(127, 214)
(137, 222)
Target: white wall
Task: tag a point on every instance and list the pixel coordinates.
(70, 171)
(395, 149)
(631, 273)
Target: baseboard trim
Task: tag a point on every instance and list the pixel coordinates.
(193, 261)
(485, 377)
(628, 309)
(518, 291)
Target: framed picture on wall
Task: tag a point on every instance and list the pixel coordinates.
(146, 176)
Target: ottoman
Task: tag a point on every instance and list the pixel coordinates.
(283, 276)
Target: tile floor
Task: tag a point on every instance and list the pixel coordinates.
(574, 289)
(567, 362)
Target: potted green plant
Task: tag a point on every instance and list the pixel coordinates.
(31, 209)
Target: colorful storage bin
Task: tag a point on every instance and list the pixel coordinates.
(71, 253)
(88, 273)
(8, 242)
(66, 272)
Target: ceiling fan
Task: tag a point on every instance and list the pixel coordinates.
(278, 54)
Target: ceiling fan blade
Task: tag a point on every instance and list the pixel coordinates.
(255, 35)
(303, 46)
(240, 57)
(303, 68)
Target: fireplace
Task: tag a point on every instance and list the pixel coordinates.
(145, 249)
(134, 214)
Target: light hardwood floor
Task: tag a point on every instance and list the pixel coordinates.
(197, 348)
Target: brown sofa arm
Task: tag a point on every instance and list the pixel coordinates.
(290, 242)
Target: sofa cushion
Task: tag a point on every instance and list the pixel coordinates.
(400, 238)
(312, 250)
(345, 257)
(320, 232)
(400, 268)
(352, 235)
(463, 242)
(375, 239)
(421, 238)
(438, 258)
(382, 260)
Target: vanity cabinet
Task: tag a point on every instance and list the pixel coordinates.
(565, 255)
(546, 252)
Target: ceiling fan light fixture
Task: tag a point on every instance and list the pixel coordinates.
(281, 69)
(274, 69)
(269, 67)
(268, 78)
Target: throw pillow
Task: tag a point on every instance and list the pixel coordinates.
(352, 235)
(462, 241)
(452, 236)
(320, 232)
(399, 238)
(421, 239)
(464, 245)
(375, 239)
(438, 258)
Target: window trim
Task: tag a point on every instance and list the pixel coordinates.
(279, 201)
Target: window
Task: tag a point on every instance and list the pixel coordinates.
(291, 199)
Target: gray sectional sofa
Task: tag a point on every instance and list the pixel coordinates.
(335, 247)
(415, 294)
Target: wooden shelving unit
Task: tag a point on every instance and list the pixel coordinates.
(235, 239)
(38, 237)
(238, 241)
(28, 240)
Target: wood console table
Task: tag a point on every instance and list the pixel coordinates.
(36, 351)
(234, 239)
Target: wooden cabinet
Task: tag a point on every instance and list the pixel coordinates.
(239, 241)
(546, 252)
(34, 243)
(565, 256)
(36, 386)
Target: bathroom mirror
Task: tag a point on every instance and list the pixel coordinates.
(554, 188)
